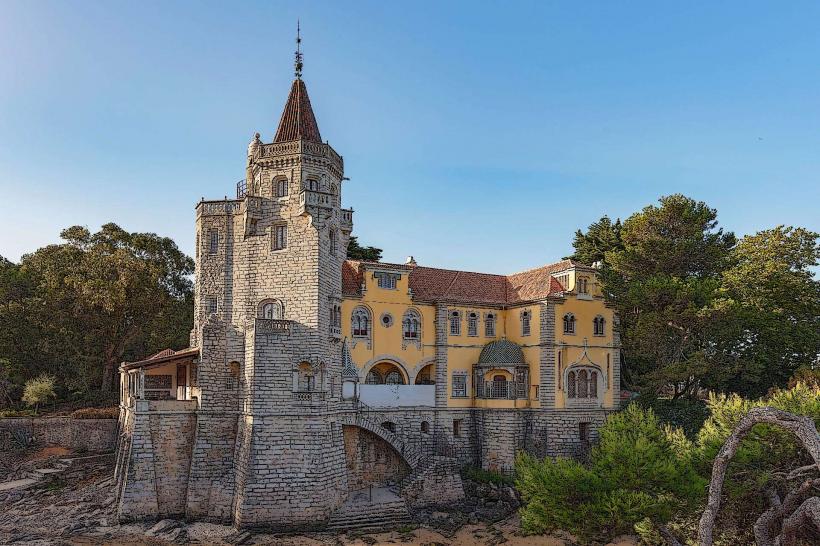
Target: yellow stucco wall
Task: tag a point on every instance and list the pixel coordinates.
(386, 343)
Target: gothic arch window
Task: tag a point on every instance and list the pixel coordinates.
(582, 384)
(360, 322)
(598, 326)
(332, 237)
(271, 309)
(489, 325)
(374, 378)
(411, 325)
(455, 323)
(336, 316)
(525, 323)
(569, 323)
(472, 324)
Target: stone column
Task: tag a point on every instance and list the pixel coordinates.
(546, 390)
(441, 355)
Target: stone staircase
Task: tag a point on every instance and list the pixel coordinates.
(54, 471)
(385, 510)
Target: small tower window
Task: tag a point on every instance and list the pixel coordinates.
(213, 241)
(281, 188)
(213, 305)
(582, 285)
(312, 185)
(270, 310)
(425, 427)
(332, 237)
(280, 236)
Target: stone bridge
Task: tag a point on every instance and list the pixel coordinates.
(371, 421)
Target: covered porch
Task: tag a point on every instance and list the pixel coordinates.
(166, 376)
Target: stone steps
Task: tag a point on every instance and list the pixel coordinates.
(384, 510)
(62, 465)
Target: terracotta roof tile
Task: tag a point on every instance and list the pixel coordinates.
(298, 121)
(434, 284)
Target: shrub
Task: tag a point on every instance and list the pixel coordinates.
(640, 469)
(487, 476)
(38, 391)
(96, 413)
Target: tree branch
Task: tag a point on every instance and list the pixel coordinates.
(802, 427)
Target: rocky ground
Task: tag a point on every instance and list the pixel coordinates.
(76, 506)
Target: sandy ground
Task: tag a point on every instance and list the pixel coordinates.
(79, 509)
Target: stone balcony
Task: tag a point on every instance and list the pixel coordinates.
(313, 201)
(218, 208)
(346, 220)
(336, 332)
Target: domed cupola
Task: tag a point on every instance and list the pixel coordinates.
(502, 351)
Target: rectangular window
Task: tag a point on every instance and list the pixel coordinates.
(455, 324)
(213, 241)
(582, 285)
(489, 326)
(197, 244)
(457, 428)
(459, 386)
(281, 188)
(213, 305)
(280, 237)
(525, 323)
(387, 280)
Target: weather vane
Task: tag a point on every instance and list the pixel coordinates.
(298, 51)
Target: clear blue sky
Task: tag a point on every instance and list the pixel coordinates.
(475, 136)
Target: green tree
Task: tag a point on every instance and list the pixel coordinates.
(38, 391)
(366, 253)
(639, 469)
(662, 283)
(105, 297)
(767, 313)
(601, 237)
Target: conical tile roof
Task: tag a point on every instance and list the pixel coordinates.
(298, 121)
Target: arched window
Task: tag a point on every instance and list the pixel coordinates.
(360, 322)
(593, 385)
(582, 285)
(411, 325)
(582, 384)
(525, 323)
(455, 323)
(271, 309)
(598, 325)
(374, 378)
(499, 386)
(312, 185)
(571, 385)
(307, 380)
(489, 325)
(472, 324)
(393, 377)
(332, 237)
(425, 427)
(569, 323)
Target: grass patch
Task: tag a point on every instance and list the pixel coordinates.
(487, 476)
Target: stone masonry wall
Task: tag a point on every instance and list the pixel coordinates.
(92, 435)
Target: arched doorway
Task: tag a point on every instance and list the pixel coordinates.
(371, 460)
(426, 375)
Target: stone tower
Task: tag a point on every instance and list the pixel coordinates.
(267, 321)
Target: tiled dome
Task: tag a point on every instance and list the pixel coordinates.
(501, 352)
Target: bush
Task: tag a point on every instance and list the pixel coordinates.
(487, 476)
(96, 413)
(685, 413)
(640, 469)
(38, 391)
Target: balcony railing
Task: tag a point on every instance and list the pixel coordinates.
(308, 396)
(272, 326)
(209, 208)
(336, 331)
(347, 217)
(498, 390)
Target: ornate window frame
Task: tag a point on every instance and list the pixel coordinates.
(490, 324)
(362, 313)
(599, 326)
(271, 306)
(411, 323)
(455, 323)
(569, 324)
(472, 323)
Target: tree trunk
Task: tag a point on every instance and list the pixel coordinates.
(800, 426)
(108, 376)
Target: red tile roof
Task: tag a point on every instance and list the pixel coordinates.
(434, 284)
(298, 121)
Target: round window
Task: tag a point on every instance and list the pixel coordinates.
(387, 320)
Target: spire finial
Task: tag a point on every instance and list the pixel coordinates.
(298, 63)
